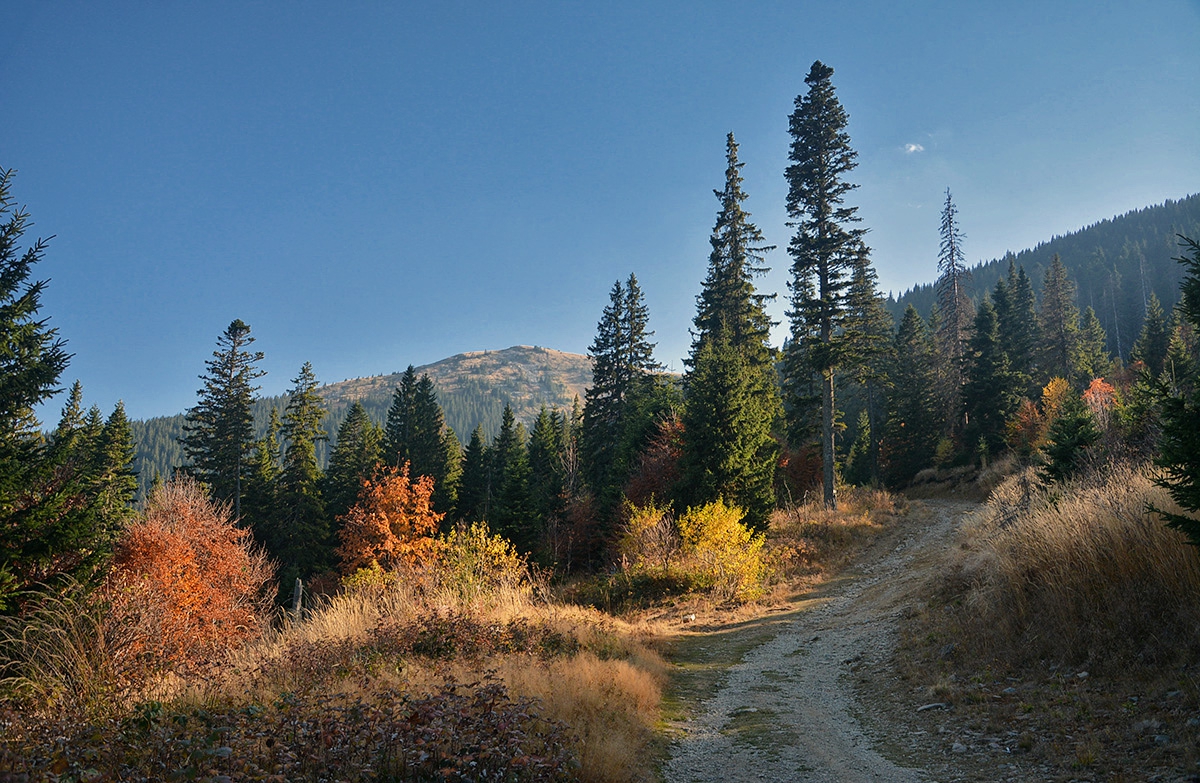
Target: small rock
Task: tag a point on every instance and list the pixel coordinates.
(1193, 722)
(937, 705)
(1082, 675)
(948, 651)
(1174, 694)
(1161, 739)
(1009, 690)
(689, 618)
(958, 747)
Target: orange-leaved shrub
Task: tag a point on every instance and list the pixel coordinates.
(186, 581)
(392, 524)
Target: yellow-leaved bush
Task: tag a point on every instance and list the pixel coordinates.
(708, 544)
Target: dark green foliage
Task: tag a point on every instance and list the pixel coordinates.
(914, 413)
(992, 392)
(59, 507)
(1016, 315)
(475, 490)
(823, 250)
(300, 538)
(869, 344)
(1058, 320)
(260, 502)
(512, 514)
(219, 431)
(1072, 433)
(1179, 444)
(728, 306)
(416, 434)
(728, 452)
(354, 459)
(623, 385)
(1115, 264)
(1092, 359)
(547, 468)
(1154, 341)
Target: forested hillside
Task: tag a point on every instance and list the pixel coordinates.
(472, 388)
(1116, 264)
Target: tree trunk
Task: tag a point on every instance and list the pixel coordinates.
(827, 443)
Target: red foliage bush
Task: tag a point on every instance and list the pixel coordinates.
(392, 524)
(187, 581)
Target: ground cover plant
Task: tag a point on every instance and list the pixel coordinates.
(1067, 627)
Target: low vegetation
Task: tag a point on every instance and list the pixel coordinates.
(1068, 626)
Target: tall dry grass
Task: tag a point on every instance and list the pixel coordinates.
(1077, 574)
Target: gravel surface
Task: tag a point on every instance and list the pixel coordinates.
(787, 711)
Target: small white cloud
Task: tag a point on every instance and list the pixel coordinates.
(911, 148)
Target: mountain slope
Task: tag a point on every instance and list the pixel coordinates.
(1115, 263)
(472, 388)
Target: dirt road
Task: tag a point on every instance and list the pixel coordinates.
(786, 711)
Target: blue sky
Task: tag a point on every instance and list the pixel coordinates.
(370, 185)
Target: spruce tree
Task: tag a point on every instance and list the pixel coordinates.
(398, 429)
(547, 483)
(728, 452)
(219, 430)
(954, 304)
(1092, 359)
(301, 536)
(1016, 317)
(1153, 342)
(623, 390)
(992, 391)
(512, 515)
(354, 458)
(822, 249)
(260, 507)
(1179, 444)
(474, 495)
(914, 412)
(728, 306)
(869, 343)
(1072, 433)
(1058, 321)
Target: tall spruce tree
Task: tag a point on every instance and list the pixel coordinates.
(1058, 321)
(822, 249)
(219, 431)
(954, 304)
(730, 454)
(914, 412)
(512, 514)
(398, 428)
(728, 305)
(1016, 316)
(1092, 360)
(622, 394)
(260, 505)
(301, 540)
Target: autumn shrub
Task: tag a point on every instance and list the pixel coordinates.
(1077, 574)
(726, 554)
(472, 563)
(186, 583)
(393, 523)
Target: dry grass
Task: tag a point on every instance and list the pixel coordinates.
(1065, 632)
(1079, 574)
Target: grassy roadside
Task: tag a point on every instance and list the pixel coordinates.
(1060, 643)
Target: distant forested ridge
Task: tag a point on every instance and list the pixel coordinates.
(1116, 265)
(472, 389)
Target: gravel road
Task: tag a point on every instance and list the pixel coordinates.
(786, 712)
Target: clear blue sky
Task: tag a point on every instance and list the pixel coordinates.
(370, 185)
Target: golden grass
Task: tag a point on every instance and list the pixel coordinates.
(1079, 574)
